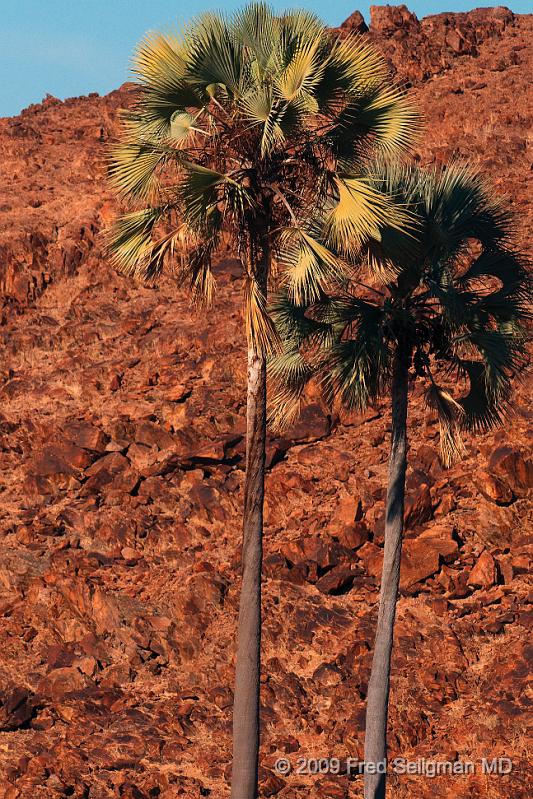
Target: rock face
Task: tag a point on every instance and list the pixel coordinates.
(121, 473)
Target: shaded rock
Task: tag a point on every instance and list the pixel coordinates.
(113, 471)
(337, 581)
(270, 783)
(355, 23)
(312, 425)
(17, 707)
(418, 506)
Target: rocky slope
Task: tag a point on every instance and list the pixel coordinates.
(121, 469)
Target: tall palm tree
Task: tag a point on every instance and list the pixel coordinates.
(242, 127)
(447, 304)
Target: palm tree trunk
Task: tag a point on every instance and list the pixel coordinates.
(378, 687)
(247, 675)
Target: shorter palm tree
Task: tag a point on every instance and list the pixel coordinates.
(447, 304)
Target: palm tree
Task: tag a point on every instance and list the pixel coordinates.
(242, 127)
(450, 306)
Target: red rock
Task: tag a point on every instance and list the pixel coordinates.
(494, 489)
(511, 466)
(352, 536)
(85, 435)
(270, 784)
(349, 510)
(328, 674)
(70, 323)
(419, 560)
(312, 425)
(422, 556)
(355, 23)
(338, 580)
(16, 709)
(333, 787)
(151, 435)
(483, 575)
(418, 506)
(387, 19)
(53, 462)
(505, 568)
(440, 538)
(427, 459)
(112, 472)
(372, 557)
(61, 682)
(143, 458)
(177, 393)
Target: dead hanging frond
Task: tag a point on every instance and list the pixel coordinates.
(289, 374)
(450, 414)
(260, 328)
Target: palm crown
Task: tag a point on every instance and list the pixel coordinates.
(452, 294)
(242, 125)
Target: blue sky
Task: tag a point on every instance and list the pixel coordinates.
(72, 47)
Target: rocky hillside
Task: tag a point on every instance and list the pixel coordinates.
(121, 471)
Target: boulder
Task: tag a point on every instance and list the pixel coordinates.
(312, 425)
(112, 472)
(351, 536)
(16, 709)
(354, 24)
(57, 467)
(510, 465)
(61, 682)
(85, 435)
(372, 557)
(422, 556)
(418, 506)
(385, 20)
(337, 581)
(493, 488)
(270, 783)
(483, 575)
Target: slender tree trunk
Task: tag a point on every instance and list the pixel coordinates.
(247, 685)
(378, 688)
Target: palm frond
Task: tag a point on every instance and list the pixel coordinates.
(290, 374)
(362, 65)
(502, 351)
(460, 207)
(483, 409)
(130, 240)
(381, 119)
(134, 167)
(309, 265)
(295, 326)
(257, 28)
(450, 414)
(161, 66)
(359, 215)
(214, 55)
(304, 71)
(260, 328)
